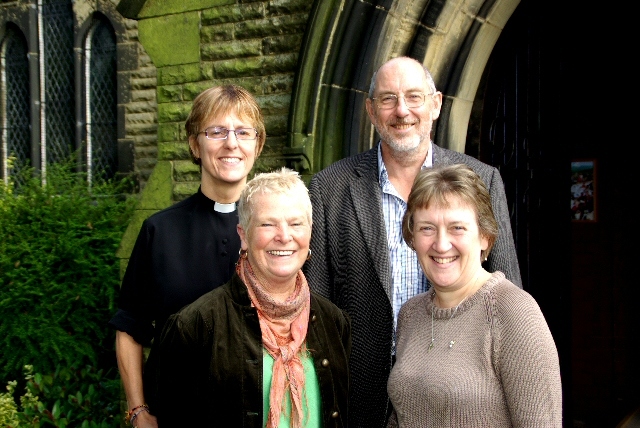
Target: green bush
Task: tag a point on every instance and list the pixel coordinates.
(66, 398)
(58, 282)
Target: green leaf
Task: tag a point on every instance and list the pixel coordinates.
(56, 410)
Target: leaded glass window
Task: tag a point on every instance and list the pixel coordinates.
(58, 70)
(74, 113)
(16, 146)
(102, 153)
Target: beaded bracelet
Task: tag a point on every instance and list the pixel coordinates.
(130, 414)
(135, 415)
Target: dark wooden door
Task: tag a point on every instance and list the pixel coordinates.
(517, 121)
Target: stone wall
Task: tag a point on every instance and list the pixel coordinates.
(141, 110)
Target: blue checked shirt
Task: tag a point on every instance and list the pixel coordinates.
(407, 278)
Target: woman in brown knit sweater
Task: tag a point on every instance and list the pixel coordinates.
(475, 350)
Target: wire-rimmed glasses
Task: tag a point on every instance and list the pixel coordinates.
(221, 133)
(411, 99)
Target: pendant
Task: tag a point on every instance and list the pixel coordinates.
(451, 344)
(431, 345)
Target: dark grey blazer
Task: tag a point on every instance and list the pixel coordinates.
(350, 265)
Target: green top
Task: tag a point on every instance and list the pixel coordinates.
(311, 403)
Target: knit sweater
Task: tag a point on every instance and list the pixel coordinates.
(502, 369)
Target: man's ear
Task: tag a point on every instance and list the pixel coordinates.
(370, 110)
(437, 105)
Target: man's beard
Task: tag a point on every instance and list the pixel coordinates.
(406, 145)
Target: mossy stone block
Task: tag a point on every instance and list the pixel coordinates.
(182, 191)
(233, 49)
(186, 171)
(171, 39)
(177, 74)
(276, 125)
(169, 93)
(175, 150)
(169, 131)
(272, 26)
(157, 193)
(166, 7)
(217, 33)
(173, 112)
(284, 7)
(192, 90)
(235, 13)
(234, 68)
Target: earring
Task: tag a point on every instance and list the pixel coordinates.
(243, 253)
(309, 254)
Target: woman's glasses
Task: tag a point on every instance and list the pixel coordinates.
(220, 133)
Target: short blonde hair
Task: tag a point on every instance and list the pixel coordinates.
(221, 101)
(433, 187)
(282, 181)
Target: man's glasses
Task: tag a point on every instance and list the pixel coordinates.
(220, 133)
(412, 100)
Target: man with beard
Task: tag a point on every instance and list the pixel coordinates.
(360, 261)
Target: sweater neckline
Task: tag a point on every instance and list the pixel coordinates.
(448, 313)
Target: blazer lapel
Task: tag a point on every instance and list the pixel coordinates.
(365, 194)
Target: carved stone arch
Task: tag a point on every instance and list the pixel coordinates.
(347, 40)
(105, 11)
(457, 52)
(26, 21)
(19, 20)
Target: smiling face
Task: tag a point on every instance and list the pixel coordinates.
(224, 162)
(277, 237)
(448, 243)
(401, 128)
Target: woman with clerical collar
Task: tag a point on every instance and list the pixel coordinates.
(192, 247)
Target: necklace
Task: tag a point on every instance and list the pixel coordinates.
(433, 338)
(455, 310)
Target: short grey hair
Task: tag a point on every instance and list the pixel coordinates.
(427, 74)
(282, 181)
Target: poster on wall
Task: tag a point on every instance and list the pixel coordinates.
(583, 190)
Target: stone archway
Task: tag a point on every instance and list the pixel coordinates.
(347, 40)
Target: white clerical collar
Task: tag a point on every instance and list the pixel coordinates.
(224, 208)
